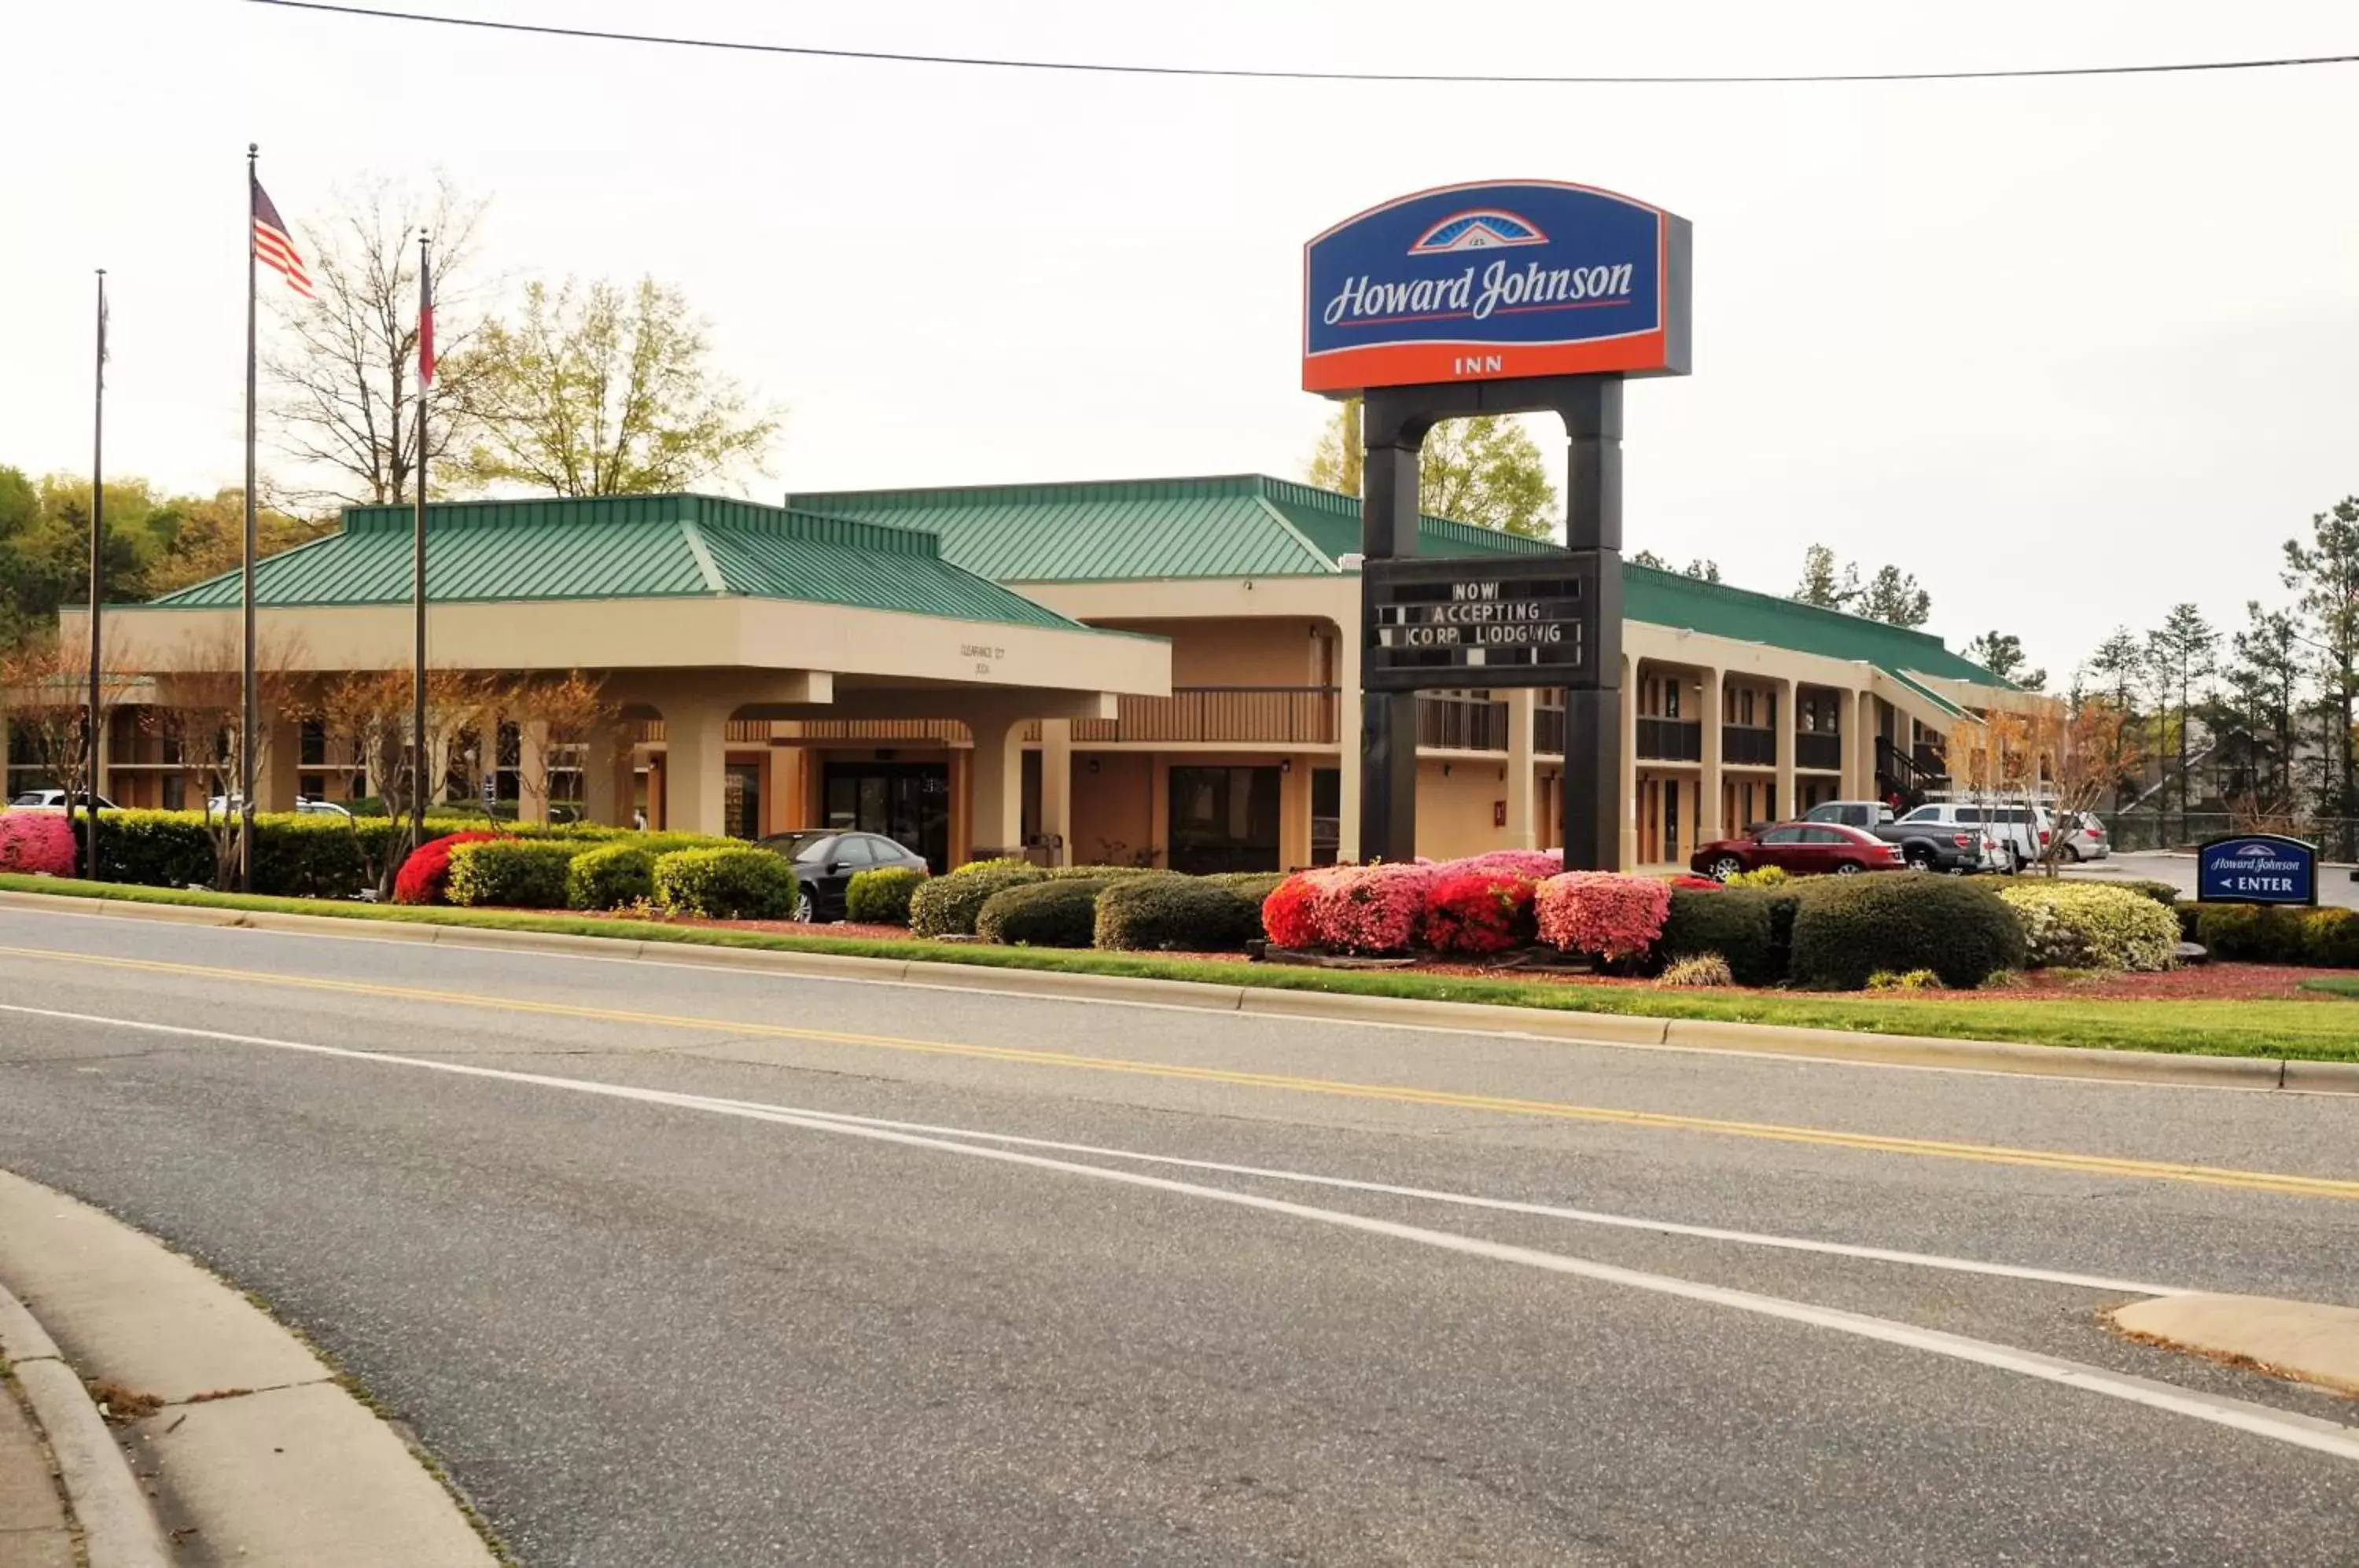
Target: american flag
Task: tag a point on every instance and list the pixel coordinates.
(273, 248)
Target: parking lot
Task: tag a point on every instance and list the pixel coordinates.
(2335, 887)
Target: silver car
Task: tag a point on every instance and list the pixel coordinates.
(2084, 836)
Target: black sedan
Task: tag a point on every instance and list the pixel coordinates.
(826, 860)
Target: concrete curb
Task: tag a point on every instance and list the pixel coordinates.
(117, 1528)
(257, 1448)
(1476, 1018)
(2307, 1342)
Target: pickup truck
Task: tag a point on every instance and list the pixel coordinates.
(1923, 847)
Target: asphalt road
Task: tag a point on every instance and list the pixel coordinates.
(613, 1239)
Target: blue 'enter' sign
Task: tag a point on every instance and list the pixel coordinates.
(2257, 868)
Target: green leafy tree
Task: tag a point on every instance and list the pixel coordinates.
(1826, 582)
(1701, 569)
(2180, 653)
(1892, 595)
(1485, 470)
(597, 389)
(2257, 716)
(2324, 571)
(2002, 654)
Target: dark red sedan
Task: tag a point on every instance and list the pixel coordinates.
(1805, 849)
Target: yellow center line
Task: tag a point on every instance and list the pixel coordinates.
(1933, 1148)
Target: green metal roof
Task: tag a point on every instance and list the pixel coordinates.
(626, 547)
(1249, 525)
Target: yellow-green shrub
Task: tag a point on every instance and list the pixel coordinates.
(2084, 925)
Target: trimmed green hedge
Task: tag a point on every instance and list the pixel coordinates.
(881, 897)
(610, 877)
(510, 874)
(947, 906)
(1254, 885)
(2163, 893)
(1176, 913)
(1847, 928)
(1059, 912)
(1736, 924)
(740, 884)
(2257, 933)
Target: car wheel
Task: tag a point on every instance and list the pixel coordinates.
(1848, 868)
(1727, 867)
(805, 910)
(1919, 859)
(2072, 856)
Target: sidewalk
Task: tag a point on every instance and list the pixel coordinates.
(35, 1532)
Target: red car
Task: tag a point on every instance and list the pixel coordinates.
(1805, 849)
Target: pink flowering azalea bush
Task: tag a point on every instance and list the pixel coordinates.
(1477, 911)
(1617, 918)
(1370, 909)
(1531, 865)
(42, 843)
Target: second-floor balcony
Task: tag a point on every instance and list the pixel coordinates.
(1265, 715)
(1670, 740)
(1822, 751)
(1748, 746)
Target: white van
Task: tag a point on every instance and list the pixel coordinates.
(2023, 831)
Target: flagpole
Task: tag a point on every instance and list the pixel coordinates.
(418, 552)
(95, 737)
(245, 717)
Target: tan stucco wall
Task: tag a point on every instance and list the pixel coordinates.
(1280, 651)
(1454, 812)
(1114, 807)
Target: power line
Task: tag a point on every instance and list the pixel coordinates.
(1246, 74)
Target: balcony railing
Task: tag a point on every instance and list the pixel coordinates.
(1671, 740)
(1747, 745)
(1265, 715)
(1461, 723)
(1824, 752)
(1548, 730)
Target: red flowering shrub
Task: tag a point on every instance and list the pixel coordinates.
(1531, 865)
(1286, 914)
(425, 876)
(1695, 883)
(1617, 918)
(1477, 911)
(1370, 909)
(38, 841)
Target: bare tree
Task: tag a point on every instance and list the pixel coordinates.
(202, 699)
(44, 696)
(343, 372)
(370, 710)
(573, 708)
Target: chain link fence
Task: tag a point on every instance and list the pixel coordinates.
(2337, 837)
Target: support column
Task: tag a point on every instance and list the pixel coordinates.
(1395, 434)
(1784, 720)
(278, 771)
(1347, 731)
(532, 771)
(1708, 791)
(1600, 732)
(1861, 746)
(1523, 818)
(1625, 769)
(696, 757)
(1057, 789)
(1294, 814)
(997, 824)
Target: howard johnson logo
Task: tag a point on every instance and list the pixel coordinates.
(2259, 869)
(1477, 231)
(1519, 278)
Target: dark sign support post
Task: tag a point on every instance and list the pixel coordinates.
(1499, 297)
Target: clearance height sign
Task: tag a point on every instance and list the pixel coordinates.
(1518, 621)
(1495, 281)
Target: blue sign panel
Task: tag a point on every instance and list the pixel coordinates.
(1492, 281)
(2257, 868)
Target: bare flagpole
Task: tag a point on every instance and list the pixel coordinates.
(94, 738)
(246, 704)
(417, 550)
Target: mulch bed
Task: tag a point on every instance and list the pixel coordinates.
(2208, 982)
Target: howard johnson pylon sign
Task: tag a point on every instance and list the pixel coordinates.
(1508, 297)
(2257, 868)
(1493, 282)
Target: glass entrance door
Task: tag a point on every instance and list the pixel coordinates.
(908, 802)
(1223, 819)
(741, 799)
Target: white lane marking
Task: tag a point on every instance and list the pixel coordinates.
(2260, 1420)
(1527, 1037)
(2104, 1283)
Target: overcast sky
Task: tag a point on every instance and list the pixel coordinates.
(2070, 351)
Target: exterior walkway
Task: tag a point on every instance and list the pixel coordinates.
(34, 1529)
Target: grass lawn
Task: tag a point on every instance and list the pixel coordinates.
(2318, 1030)
(2334, 985)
